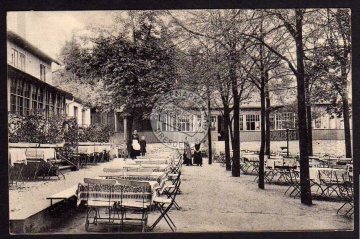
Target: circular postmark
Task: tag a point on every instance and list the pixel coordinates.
(180, 116)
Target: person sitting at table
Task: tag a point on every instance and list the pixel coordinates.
(142, 146)
(197, 155)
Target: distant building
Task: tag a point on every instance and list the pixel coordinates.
(325, 126)
(75, 108)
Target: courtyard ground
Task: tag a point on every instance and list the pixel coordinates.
(211, 201)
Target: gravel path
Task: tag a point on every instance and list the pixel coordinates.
(213, 201)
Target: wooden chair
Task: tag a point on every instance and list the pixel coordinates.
(164, 204)
(331, 183)
(135, 199)
(347, 195)
(98, 194)
(169, 190)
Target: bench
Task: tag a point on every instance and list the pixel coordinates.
(63, 195)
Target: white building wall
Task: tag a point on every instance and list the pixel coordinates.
(32, 62)
(71, 112)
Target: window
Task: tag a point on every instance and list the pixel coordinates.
(318, 123)
(241, 122)
(42, 72)
(284, 121)
(19, 97)
(170, 122)
(213, 122)
(83, 117)
(252, 122)
(183, 123)
(17, 59)
(76, 113)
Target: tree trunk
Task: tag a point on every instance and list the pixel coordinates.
(129, 127)
(236, 99)
(309, 127)
(231, 133)
(347, 125)
(227, 138)
(308, 115)
(261, 182)
(267, 122)
(301, 97)
(209, 131)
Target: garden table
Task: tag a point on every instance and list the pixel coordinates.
(17, 155)
(157, 167)
(118, 197)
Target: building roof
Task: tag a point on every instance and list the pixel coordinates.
(23, 43)
(14, 71)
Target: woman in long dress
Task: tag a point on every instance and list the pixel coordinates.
(197, 155)
(187, 154)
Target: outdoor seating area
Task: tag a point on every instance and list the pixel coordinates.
(29, 161)
(90, 153)
(127, 194)
(331, 177)
(187, 120)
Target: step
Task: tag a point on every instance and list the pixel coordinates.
(61, 168)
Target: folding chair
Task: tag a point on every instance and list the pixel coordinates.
(135, 199)
(164, 205)
(294, 177)
(347, 194)
(169, 190)
(176, 166)
(331, 183)
(98, 195)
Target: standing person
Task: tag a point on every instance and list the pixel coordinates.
(130, 150)
(142, 146)
(135, 145)
(187, 154)
(197, 155)
(135, 135)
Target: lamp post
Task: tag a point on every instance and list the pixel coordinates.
(287, 142)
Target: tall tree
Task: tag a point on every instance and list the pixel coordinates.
(339, 49)
(292, 22)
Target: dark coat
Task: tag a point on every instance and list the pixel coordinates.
(142, 143)
(197, 157)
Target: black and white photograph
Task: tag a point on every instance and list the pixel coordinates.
(180, 121)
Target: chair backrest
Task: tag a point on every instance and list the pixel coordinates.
(330, 175)
(132, 190)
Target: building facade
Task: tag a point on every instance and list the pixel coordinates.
(30, 88)
(29, 80)
(324, 125)
(75, 108)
